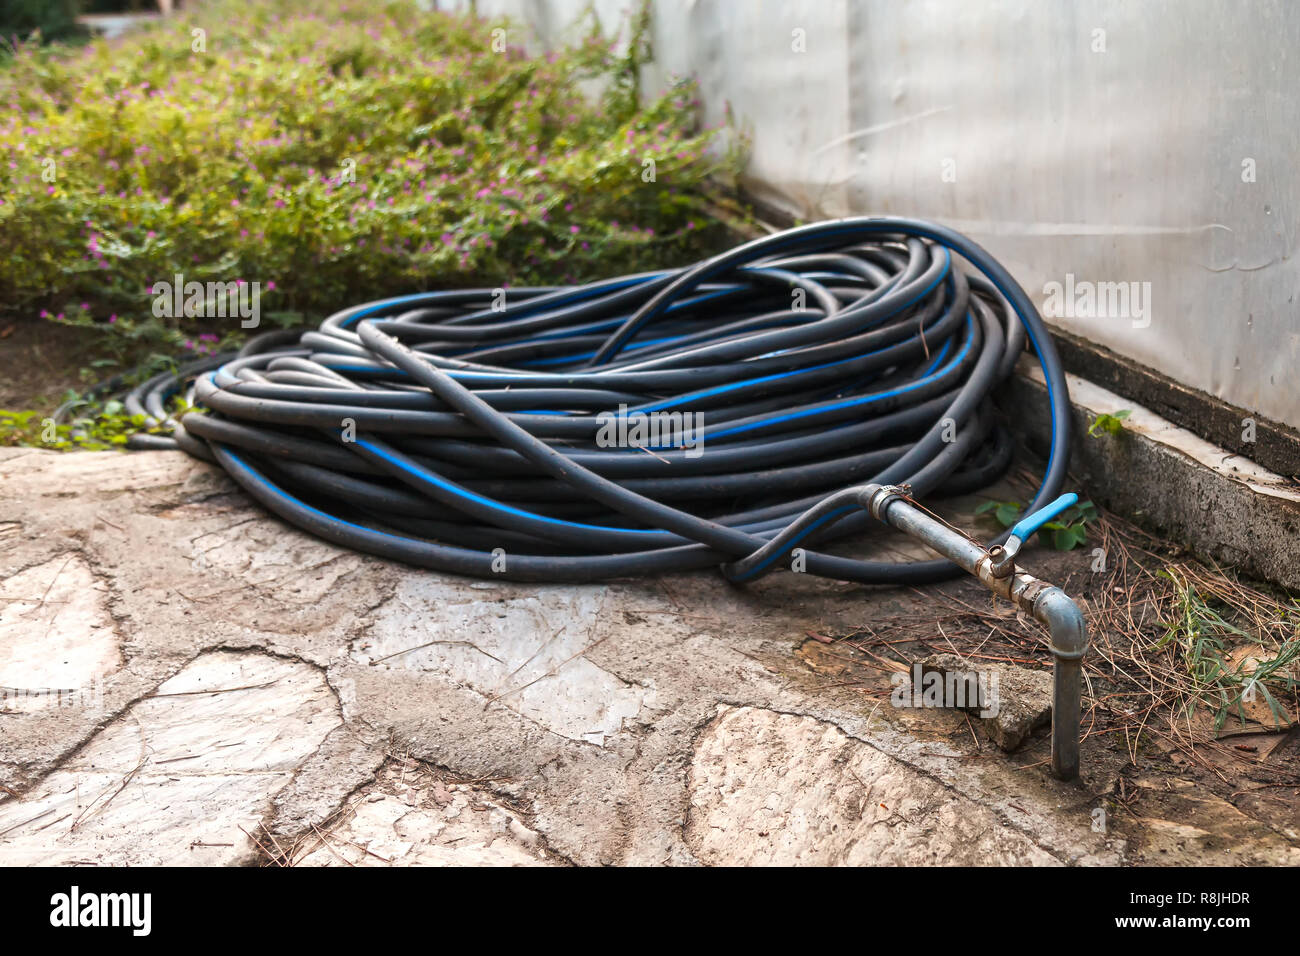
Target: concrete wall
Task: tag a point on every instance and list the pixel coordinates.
(1084, 142)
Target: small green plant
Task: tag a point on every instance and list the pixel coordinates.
(1064, 533)
(1200, 634)
(1109, 424)
(86, 422)
(94, 428)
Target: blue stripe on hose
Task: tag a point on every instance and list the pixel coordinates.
(281, 493)
(863, 400)
(435, 479)
(767, 562)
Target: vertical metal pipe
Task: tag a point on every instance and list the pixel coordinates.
(1066, 676)
(1054, 608)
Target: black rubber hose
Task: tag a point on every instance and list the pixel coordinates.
(493, 432)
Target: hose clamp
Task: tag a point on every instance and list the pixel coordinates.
(878, 498)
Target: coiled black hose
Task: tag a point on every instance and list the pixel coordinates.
(470, 431)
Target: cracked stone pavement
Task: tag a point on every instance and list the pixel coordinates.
(188, 680)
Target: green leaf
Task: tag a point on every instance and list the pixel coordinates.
(1008, 513)
(1109, 424)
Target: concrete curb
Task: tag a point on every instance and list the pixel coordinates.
(1222, 506)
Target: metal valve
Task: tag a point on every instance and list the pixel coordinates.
(1004, 555)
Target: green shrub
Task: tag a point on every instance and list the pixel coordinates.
(333, 152)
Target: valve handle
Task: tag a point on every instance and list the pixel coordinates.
(1004, 556)
(1026, 526)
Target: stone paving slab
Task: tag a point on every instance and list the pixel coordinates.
(239, 692)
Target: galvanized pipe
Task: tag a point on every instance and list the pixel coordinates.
(1047, 603)
(1062, 616)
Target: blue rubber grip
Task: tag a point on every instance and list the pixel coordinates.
(1027, 525)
